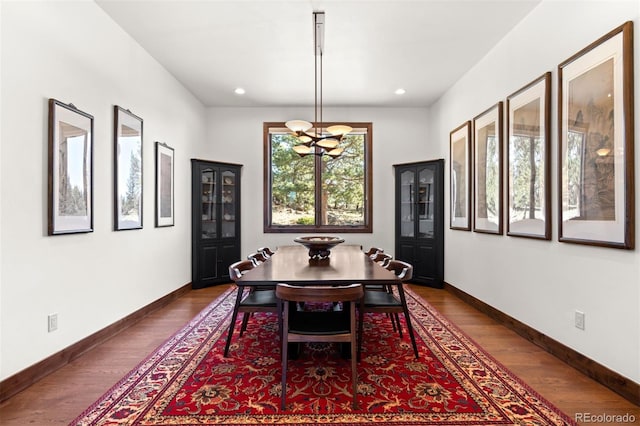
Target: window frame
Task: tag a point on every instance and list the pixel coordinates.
(367, 227)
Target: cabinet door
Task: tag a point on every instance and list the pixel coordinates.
(208, 271)
(406, 203)
(425, 201)
(229, 198)
(209, 202)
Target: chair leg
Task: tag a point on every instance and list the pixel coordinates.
(407, 319)
(245, 321)
(360, 330)
(284, 354)
(354, 365)
(233, 321)
(398, 325)
(393, 321)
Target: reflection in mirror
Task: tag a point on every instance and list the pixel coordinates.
(527, 165)
(488, 171)
(528, 153)
(128, 185)
(590, 165)
(72, 170)
(459, 144)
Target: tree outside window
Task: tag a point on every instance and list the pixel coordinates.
(317, 193)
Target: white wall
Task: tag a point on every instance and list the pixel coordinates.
(542, 283)
(399, 136)
(74, 52)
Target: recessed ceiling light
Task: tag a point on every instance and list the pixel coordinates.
(239, 91)
(400, 91)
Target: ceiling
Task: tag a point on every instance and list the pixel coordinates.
(371, 47)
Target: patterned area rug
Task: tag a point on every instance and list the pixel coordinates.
(187, 381)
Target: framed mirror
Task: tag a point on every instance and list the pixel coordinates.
(70, 180)
(487, 171)
(460, 177)
(595, 158)
(528, 159)
(164, 185)
(127, 170)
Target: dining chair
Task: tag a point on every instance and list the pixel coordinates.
(389, 302)
(266, 251)
(381, 258)
(257, 258)
(318, 326)
(262, 300)
(373, 250)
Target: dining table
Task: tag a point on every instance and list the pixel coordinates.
(291, 264)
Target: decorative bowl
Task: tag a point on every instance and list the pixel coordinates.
(319, 246)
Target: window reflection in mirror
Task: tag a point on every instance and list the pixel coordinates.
(590, 168)
(72, 169)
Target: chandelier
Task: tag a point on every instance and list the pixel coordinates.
(311, 137)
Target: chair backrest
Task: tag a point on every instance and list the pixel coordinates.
(382, 258)
(403, 270)
(373, 250)
(257, 258)
(238, 268)
(266, 251)
(319, 293)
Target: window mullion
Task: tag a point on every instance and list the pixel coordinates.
(318, 190)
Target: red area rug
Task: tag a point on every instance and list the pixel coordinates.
(187, 381)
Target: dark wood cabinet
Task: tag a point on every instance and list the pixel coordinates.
(215, 221)
(419, 229)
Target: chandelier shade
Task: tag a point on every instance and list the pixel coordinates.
(313, 140)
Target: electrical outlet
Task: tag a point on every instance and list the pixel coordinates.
(579, 320)
(52, 322)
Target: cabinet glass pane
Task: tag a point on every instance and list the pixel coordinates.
(209, 198)
(425, 199)
(407, 184)
(228, 204)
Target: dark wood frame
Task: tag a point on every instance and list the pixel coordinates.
(55, 109)
(497, 108)
(159, 222)
(468, 165)
(119, 116)
(298, 229)
(545, 132)
(623, 146)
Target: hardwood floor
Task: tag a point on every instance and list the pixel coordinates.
(64, 394)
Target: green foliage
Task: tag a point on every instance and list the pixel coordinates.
(305, 220)
(293, 182)
(527, 176)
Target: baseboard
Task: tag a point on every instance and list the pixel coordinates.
(25, 378)
(621, 385)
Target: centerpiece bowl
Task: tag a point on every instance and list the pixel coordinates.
(319, 246)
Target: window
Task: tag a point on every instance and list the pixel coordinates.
(317, 193)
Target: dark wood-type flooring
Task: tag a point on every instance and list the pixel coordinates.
(64, 394)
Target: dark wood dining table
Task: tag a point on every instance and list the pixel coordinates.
(347, 264)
